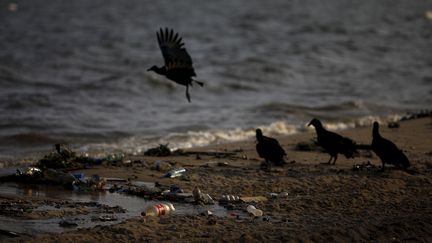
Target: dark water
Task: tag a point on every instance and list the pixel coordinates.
(75, 71)
(133, 206)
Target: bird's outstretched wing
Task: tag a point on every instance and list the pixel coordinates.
(175, 55)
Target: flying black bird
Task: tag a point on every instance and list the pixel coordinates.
(387, 151)
(269, 149)
(333, 143)
(178, 64)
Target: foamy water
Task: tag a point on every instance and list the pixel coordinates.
(75, 72)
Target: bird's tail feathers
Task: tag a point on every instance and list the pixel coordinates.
(199, 82)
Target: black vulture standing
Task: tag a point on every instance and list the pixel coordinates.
(333, 143)
(178, 64)
(387, 151)
(269, 149)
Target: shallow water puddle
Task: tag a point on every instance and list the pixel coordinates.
(88, 206)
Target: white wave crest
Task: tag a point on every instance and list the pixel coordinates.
(138, 144)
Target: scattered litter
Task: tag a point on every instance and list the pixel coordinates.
(254, 211)
(158, 210)
(176, 172)
(206, 213)
(200, 197)
(33, 171)
(229, 198)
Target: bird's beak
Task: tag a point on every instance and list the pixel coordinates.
(310, 123)
(148, 69)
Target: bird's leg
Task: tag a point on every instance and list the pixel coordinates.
(335, 158)
(187, 93)
(331, 157)
(383, 166)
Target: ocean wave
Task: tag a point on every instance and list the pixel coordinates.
(190, 139)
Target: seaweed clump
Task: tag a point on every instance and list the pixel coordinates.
(160, 151)
(63, 158)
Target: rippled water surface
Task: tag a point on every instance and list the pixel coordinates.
(75, 71)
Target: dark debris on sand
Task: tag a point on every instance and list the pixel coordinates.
(160, 151)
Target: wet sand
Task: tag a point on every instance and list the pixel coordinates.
(325, 202)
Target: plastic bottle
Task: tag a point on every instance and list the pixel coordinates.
(175, 172)
(254, 211)
(158, 210)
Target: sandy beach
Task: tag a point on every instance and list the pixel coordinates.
(106, 82)
(325, 203)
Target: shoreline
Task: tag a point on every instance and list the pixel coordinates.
(194, 139)
(324, 203)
